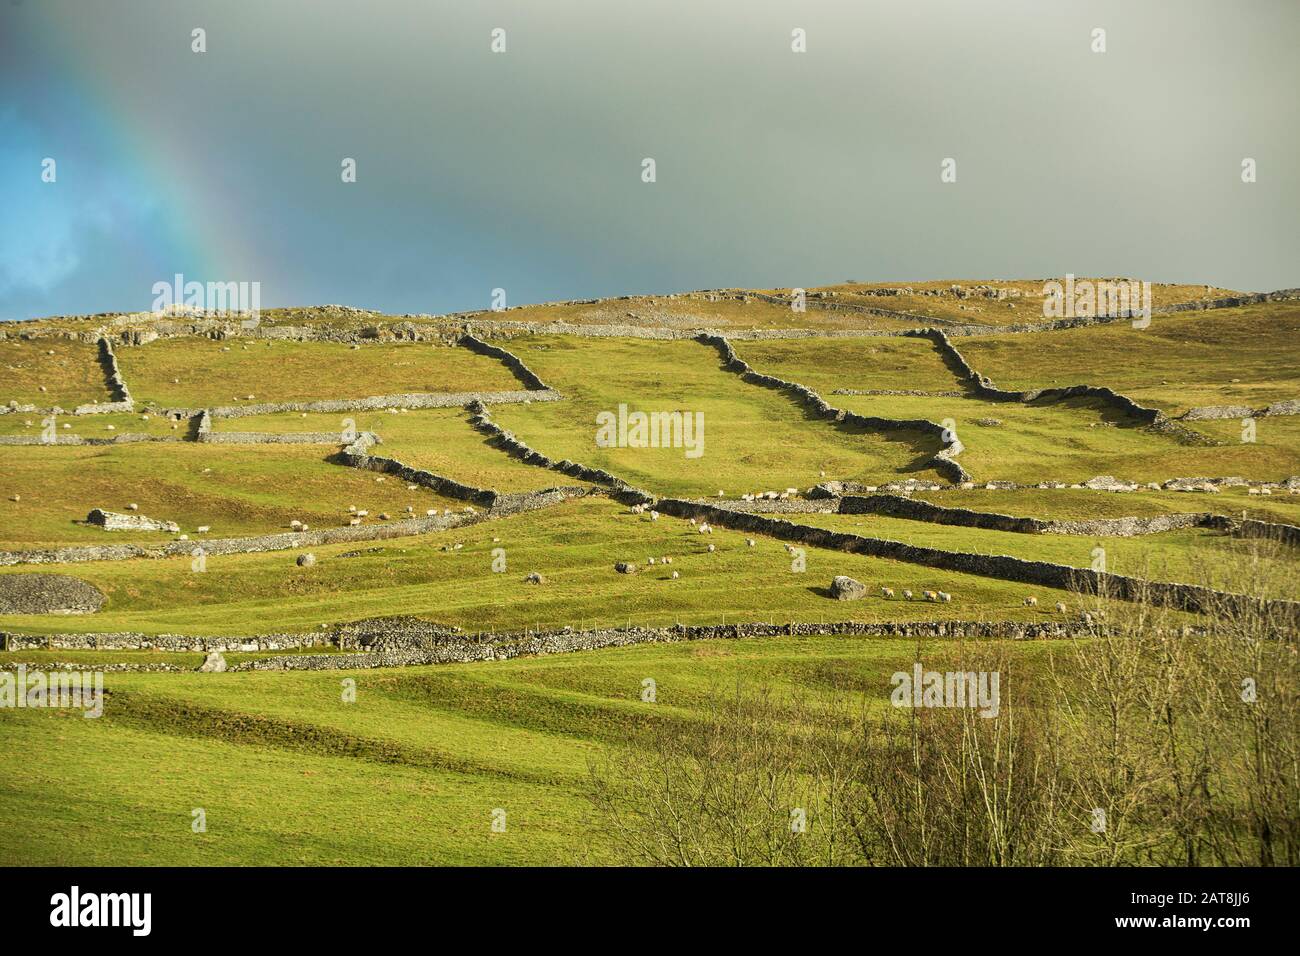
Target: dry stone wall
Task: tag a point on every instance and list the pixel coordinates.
(1181, 596)
(944, 461)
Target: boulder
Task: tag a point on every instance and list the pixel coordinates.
(845, 588)
(116, 521)
(1109, 483)
(625, 567)
(534, 578)
(48, 594)
(214, 663)
(306, 560)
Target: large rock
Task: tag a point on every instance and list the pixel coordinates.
(214, 663)
(116, 521)
(1109, 483)
(306, 560)
(845, 588)
(48, 594)
(625, 567)
(827, 489)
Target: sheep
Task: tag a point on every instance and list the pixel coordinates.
(202, 529)
(650, 561)
(931, 596)
(711, 549)
(907, 595)
(887, 593)
(353, 522)
(654, 516)
(352, 508)
(1031, 602)
(1252, 491)
(133, 507)
(296, 525)
(666, 560)
(675, 575)
(431, 513)
(750, 542)
(1060, 607)
(792, 491)
(945, 597)
(692, 521)
(363, 513)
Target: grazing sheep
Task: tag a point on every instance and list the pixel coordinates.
(650, 561)
(352, 508)
(363, 514)
(202, 529)
(1060, 607)
(654, 516)
(887, 593)
(711, 549)
(354, 521)
(431, 513)
(907, 595)
(296, 525)
(945, 597)
(749, 541)
(675, 575)
(133, 507)
(931, 596)
(1031, 602)
(692, 521)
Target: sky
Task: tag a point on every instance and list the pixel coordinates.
(522, 170)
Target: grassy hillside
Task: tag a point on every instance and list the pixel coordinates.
(68, 371)
(284, 770)
(195, 373)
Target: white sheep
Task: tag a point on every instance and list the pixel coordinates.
(650, 561)
(202, 529)
(1060, 607)
(750, 542)
(1031, 602)
(354, 522)
(945, 597)
(887, 593)
(675, 575)
(711, 549)
(907, 595)
(654, 516)
(931, 596)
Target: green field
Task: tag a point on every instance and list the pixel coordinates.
(288, 772)
(755, 439)
(69, 372)
(193, 374)
(233, 489)
(285, 771)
